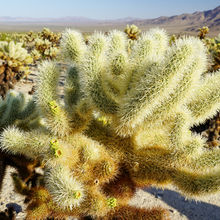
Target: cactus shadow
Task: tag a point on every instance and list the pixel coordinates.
(193, 210)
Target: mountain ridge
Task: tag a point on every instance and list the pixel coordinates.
(186, 22)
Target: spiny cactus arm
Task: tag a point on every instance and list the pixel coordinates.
(34, 121)
(147, 46)
(72, 87)
(194, 146)
(96, 203)
(156, 84)
(77, 106)
(38, 211)
(191, 182)
(162, 40)
(32, 144)
(206, 99)
(47, 85)
(74, 96)
(171, 133)
(131, 212)
(28, 110)
(47, 99)
(206, 159)
(65, 190)
(114, 78)
(72, 46)
(183, 90)
(179, 130)
(149, 136)
(92, 68)
(155, 165)
(146, 50)
(196, 183)
(3, 106)
(14, 105)
(117, 41)
(18, 109)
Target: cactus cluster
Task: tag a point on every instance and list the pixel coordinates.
(132, 32)
(44, 49)
(213, 45)
(124, 123)
(14, 60)
(16, 37)
(42, 44)
(54, 38)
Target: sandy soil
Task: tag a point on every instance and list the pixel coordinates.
(180, 208)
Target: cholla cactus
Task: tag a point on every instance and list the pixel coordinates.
(14, 62)
(51, 36)
(45, 48)
(132, 32)
(44, 44)
(203, 32)
(11, 37)
(150, 98)
(35, 54)
(213, 45)
(20, 111)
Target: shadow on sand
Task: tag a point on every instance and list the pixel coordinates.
(193, 210)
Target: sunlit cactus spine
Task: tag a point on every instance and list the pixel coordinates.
(124, 123)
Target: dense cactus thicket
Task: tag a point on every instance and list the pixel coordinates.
(124, 123)
(14, 60)
(42, 45)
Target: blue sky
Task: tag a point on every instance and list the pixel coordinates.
(103, 9)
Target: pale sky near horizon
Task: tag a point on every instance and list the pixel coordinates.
(102, 9)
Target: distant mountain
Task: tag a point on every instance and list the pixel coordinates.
(210, 18)
(184, 23)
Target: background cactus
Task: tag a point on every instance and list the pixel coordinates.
(132, 31)
(203, 32)
(14, 60)
(213, 45)
(18, 110)
(124, 123)
(41, 45)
